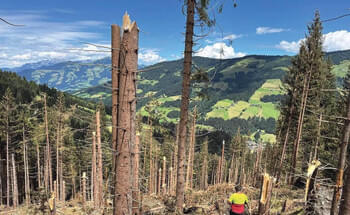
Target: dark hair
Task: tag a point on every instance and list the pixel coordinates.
(238, 188)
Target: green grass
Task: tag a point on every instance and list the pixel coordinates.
(148, 82)
(341, 69)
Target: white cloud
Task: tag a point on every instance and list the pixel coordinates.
(150, 56)
(292, 47)
(269, 30)
(219, 50)
(332, 41)
(41, 39)
(338, 40)
(232, 37)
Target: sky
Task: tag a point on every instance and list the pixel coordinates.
(61, 30)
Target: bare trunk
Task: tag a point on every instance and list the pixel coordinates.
(136, 189)
(222, 160)
(345, 205)
(14, 181)
(300, 125)
(164, 176)
(61, 161)
(57, 162)
(94, 182)
(184, 105)
(26, 171)
(115, 44)
(38, 165)
(84, 187)
(99, 160)
(7, 161)
(48, 173)
(127, 100)
(189, 175)
(151, 176)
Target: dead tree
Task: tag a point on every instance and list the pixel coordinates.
(94, 182)
(189, 173)
(99, 160)
(57, 162)
(84, 187)
(151, 172)
(127, 99)
(38, 165)
(115, 44)
(221, 163)
(47, 159)
(341, 164)
(135, 185)
(26, 168)
(14, 183)
(164, 176)
(265, 194)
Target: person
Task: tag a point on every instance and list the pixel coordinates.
(238, 201)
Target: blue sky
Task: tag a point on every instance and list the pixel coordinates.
(57, 29)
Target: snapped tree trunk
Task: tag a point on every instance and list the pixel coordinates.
(94, 181)
(341, 167)
(127, 99)
(99, 160)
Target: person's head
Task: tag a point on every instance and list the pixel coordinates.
(238, 188)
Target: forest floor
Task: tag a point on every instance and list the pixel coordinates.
(213, 201)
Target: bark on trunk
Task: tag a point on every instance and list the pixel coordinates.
(136, 188)
(14, 181)
(26, 170)
(184, 105)
(115, 44)
(341, 167)
(99, 160)
(127, 99)
(94, 181)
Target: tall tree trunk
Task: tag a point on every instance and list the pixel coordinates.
(127, 99)
(1, 192)
(222, 161)
(38, 164)
(99, 159)
(61, 160)
(14, 181)
(48, 173)
(345, 205)
(300, 124)
(115, 44)
(184, 105)
(164, 176)
(135, 185)
(7, 158)
(57, 162)
(189, 173)
(151, 176)
(84, 187)
(26, 169)
(94, 182)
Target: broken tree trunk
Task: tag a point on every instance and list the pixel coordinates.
(115, 44)
(164, 176)
(127, 99)
(14, 183)
(99, 160)
(265, 194)
(94, 182)
(189, 175)
(310, 190)
(84, 188)
(135, 185)
(342, 160)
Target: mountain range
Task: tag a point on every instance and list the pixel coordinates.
(239, 93)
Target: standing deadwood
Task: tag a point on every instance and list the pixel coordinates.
(127, 98)
(26, 168)
(84, 187)
(189, 174)
(221, 164)
(310, 189)
(300, 123)
(173, 187)
(38, 164)
(235, 177)
(115, 44)
(57, 162)
(265, 194)
(318, 137)
(135, 186)
(64, 191)
(204, 168)
(94, 187)
(184, 105)
(7, 158)
(341, 166)
(159, 181)
(170, 179)
(164, 176)
(53, 200)
(99, 160)
(291, 111)
(345, 203)
(231, 169)
(14, 181)
(61, 161)
(156, 169)
(151, 176)
(47, 172)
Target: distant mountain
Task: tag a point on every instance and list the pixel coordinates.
(243, 92)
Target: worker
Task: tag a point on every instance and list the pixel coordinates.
(238, 201)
